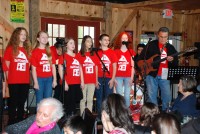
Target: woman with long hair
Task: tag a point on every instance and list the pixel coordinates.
(88, 62)
(125, 65)
(16, 58)
(43, 67)
(115, 116)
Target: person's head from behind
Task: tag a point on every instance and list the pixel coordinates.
(163, 34)
(116, 113)
(104, 40)
(49, 110)
(187, 84)
(140, 47)
(165, 124)
(147, 114)
(86, 45)
(75, 125)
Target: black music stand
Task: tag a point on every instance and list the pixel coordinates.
(174, 73)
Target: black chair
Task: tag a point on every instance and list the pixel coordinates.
(90, 120)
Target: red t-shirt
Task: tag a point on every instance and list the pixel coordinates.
(39, 59)
(54, 52)
(124, 63)
(108, 57)
(88, 64)
(72, 73)
(163, 64)
(18, 71)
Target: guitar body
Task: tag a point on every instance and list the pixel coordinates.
(145, 66)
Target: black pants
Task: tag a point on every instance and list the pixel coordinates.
(18, 97)
(72, 98)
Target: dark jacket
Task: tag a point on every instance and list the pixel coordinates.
(23, 126)
(152, 49)
(192, 127)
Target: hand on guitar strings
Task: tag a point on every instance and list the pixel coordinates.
(170, 58)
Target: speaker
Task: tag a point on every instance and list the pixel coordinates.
(197, 53)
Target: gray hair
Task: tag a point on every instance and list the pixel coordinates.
(58, 111)
(188, 83)
(163, 29)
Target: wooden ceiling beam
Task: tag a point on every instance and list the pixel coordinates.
(142, 4)
(125, 24)
(88, 2)
(71, 17)
(7, 26)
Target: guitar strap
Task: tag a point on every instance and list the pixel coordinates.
(163, 48)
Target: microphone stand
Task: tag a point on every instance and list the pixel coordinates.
(145, 74)
(105, 69)
(1, 94)
(63, 77)
(134, 76)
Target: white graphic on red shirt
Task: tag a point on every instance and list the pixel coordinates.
(122, 63)
(21, 60)
(75, 66)
(163, 55)
(45, 63)
(88, 63)
(106, 61)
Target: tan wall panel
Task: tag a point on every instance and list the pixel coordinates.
(68, 8)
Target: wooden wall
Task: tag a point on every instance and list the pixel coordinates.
(6, 26)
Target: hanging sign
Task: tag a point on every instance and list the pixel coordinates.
(17, 13)
(167, 13)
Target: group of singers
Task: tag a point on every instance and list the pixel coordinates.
(83, 74)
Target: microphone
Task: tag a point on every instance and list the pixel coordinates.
(96, 49)
(1, 37)
(149, 39)
(125, 43)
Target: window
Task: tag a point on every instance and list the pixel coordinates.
(70, 28)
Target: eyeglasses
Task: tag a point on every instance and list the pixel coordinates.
(163, 37)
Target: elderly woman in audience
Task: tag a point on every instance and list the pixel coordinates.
(115, 116)
(185, 103)
(147, 114)
(165, 123)
(49, 111)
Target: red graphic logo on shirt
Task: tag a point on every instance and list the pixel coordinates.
(75, 66)
(88, 63)
(122, 63)
(45, 63)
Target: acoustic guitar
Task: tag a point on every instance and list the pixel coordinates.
(146, 66)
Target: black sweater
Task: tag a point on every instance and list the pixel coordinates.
(152, 49)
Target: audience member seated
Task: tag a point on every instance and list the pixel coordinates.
(49, 111)
(185, 103)
(147, 114)
(165, 123)
(192, 127)
(115, 116)
(75, 125)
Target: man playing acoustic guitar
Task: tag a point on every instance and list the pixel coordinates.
(156, 76)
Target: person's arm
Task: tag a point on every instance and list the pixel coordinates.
(82, 78)
(97, 82)
(7, 66)
(54, 84)
(60, 71)
(21, 127)
(132, 72)
(111, 82)
(35, 81)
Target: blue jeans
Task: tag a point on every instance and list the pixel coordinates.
(152, 89)
(100, 94)
(124, 82)
(45, 88)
